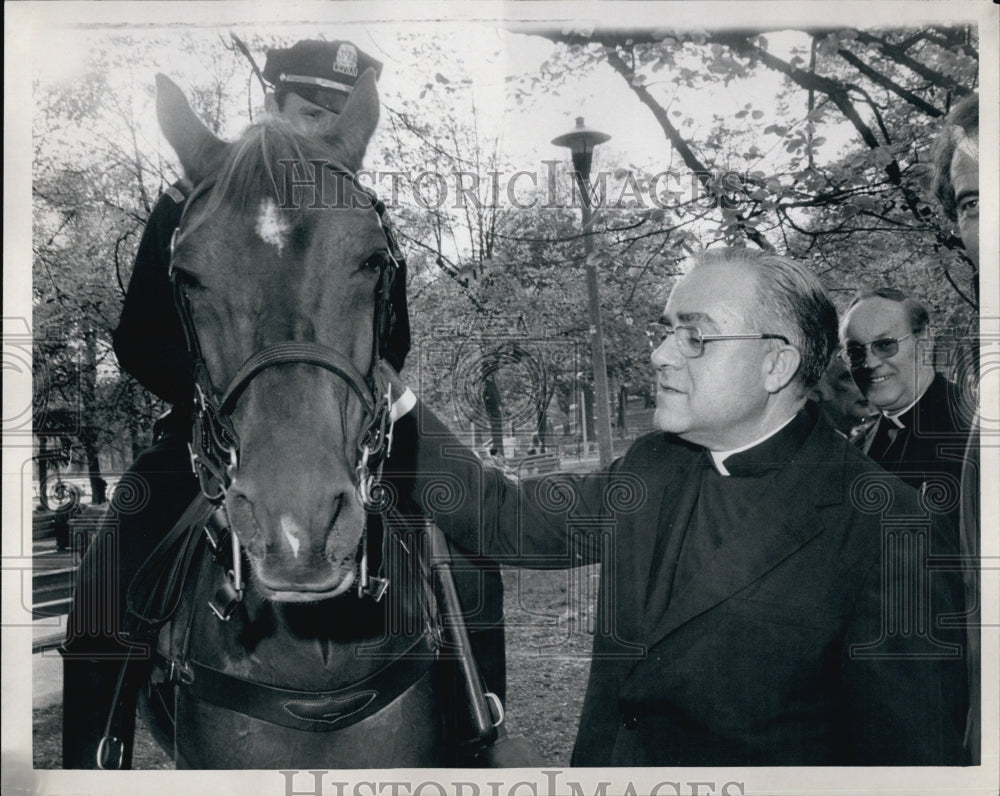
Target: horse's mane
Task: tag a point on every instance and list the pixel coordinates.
(255, 167)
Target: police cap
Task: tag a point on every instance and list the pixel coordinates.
(322, 72)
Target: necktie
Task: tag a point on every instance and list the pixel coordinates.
(886, 436)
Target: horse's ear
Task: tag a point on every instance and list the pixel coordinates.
(353, 128)
(196, 146)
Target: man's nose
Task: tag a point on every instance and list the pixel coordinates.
(871, 361)
(667, 354)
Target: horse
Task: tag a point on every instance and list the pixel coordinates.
(323, 643)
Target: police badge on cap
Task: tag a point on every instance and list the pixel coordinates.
(323, 72)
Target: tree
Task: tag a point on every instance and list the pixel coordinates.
(497, 280)
(888, 88)
(92, 195)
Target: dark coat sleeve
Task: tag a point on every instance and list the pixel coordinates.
(539, 523)
(149, 340)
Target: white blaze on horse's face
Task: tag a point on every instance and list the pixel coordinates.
(271, 226)
(292, 532)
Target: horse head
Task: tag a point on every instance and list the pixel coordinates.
(276, 262)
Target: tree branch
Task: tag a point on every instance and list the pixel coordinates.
(898, 54)
(876, 111)
(449, 268)
(887, 83)
(677, 141)
(838, 94)
(957, 289)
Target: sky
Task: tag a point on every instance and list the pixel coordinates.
(483, 50)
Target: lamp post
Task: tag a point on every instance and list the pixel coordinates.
(581, 142)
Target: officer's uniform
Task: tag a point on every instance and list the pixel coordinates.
(150, 344)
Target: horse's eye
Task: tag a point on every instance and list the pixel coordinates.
(377, 261)
(185, 278)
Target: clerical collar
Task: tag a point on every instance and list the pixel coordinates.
(770, 451)
(897, 417)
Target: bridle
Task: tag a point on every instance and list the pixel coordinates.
(215, 442)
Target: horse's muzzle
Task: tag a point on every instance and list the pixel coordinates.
(294, 556)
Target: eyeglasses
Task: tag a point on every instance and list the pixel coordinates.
(691, 342)
(855, 354)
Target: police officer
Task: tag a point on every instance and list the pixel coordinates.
(310, 83)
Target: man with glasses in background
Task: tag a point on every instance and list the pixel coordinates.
(741, 615)
(924, 428)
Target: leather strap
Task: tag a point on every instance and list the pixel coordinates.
(296, 352)
(484, 710)
(155, 590)
(312, 711)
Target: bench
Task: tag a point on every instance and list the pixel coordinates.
(58, 541)
(47, 528)
(538, 464)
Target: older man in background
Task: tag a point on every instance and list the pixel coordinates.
(923, 431)
(843, 405)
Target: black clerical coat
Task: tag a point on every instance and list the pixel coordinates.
(782, 650)
(927, 447)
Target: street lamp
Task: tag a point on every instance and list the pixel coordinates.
(581, 142)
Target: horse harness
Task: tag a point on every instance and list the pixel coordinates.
(215, 442)
(297, 709)
(215, 455)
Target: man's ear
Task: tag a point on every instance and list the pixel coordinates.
(780, 367)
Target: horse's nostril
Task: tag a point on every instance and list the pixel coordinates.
(243, 520)
(338, 504)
